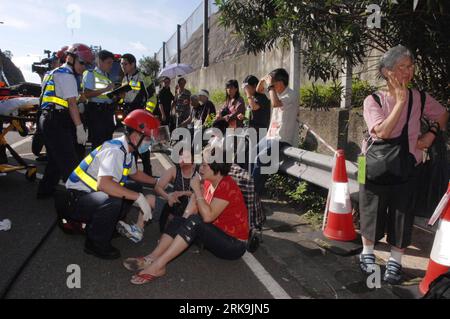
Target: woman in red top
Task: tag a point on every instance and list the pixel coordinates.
(216, 216)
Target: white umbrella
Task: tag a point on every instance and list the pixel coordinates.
(174, 70)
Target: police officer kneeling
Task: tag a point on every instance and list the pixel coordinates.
(99, 190)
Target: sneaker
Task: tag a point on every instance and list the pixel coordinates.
(367, 263)
(393, 274)
(132, 232)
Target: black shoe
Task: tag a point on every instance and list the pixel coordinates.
(42, 158)
(108, 253)
(393, 274)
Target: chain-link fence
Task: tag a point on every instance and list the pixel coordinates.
(192, 24)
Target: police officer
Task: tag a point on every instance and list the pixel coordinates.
(100, 189)
(60, 121)
(37, 144)
(152, 100)
(136, 98)
(99, 110)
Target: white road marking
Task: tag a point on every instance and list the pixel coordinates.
(166, 164)
(264, 277)
(255, 266)
(21, 142)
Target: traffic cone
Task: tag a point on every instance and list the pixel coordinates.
(339, 223)
(440, 254)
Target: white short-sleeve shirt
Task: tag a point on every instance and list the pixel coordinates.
(284, 124)
(66, 86)
(108, 162)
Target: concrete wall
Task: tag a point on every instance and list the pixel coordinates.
(214, 77)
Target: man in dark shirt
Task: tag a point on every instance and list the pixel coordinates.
(259, 104)
(165, 99)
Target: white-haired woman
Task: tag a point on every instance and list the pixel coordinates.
(394, 115)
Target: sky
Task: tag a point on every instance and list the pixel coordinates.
(128, 26)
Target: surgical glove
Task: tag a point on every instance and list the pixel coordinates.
(142, 203)
(82, 135)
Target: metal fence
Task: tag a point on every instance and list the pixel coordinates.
(188, 28)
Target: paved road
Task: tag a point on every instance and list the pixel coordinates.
(287, 265)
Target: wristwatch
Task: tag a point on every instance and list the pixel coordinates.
(270, 87)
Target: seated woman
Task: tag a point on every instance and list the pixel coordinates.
(180, 177)
(216, 216)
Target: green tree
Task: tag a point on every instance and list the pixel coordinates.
(149, 67)
(340, 30)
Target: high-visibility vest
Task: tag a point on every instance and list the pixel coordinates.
(135, 85)
(151, 104)
(80, 174)
(49, 98)
(100, 82)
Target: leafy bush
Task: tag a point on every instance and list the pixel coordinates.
(360, 90)
(218, 97)
(321, 96)
(325, 96)
(310, 198)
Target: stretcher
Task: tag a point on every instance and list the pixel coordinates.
(15, 113)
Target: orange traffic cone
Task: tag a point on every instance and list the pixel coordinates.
(339, 223)
(440, 254)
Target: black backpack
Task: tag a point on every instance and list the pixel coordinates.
(439, 288)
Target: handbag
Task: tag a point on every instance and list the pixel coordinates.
(389, 161)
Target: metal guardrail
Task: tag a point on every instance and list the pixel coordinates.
(315, 168)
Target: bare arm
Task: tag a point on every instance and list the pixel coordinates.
(427, 139)
(274, 99)
(141, 177)
(261, 86)
(384, 130)
(74, 112)
(162, 183)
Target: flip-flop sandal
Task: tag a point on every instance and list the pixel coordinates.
(135, 264)
(140, 279)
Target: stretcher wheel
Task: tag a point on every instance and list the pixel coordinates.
(31, 174)
(23, 131)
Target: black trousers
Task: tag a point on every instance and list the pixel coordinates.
(213, 238)
(63, 152)
(388, 209)
(100, 123)
(101, 213)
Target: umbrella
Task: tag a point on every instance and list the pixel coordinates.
(174, 70)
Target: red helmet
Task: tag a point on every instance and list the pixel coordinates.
(142, 122)
(82, 52)
(61, 54)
